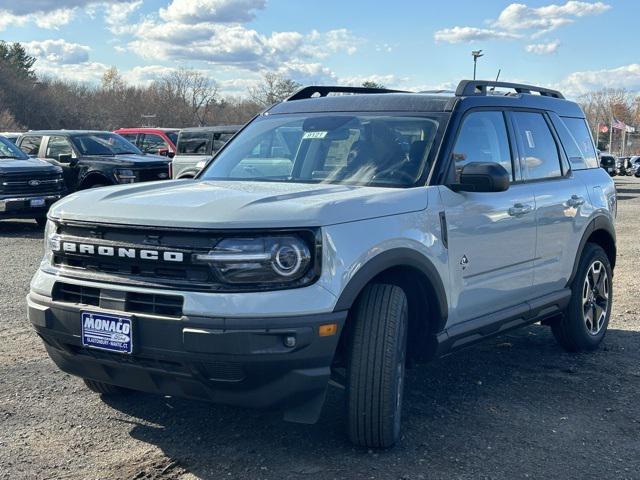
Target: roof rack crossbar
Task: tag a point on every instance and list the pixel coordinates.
(323, 91)
(480, 87)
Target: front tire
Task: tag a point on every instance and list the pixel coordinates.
(376, 366)
(586, 319)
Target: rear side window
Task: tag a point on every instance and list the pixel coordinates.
(482, 138)
(195, 143)
(31, 145)
(538, 148)
(582, 137)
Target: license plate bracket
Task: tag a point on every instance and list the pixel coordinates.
(107, 331)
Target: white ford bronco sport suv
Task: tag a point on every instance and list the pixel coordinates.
(340, 234)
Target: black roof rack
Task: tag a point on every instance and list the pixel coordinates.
(323, 91)
(468, 88)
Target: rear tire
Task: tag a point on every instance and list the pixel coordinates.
(376, 366)
(104, 388)
(586, 319)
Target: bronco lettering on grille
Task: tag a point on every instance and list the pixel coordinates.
(122, 252)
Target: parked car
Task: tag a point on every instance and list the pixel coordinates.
(28, 187)
(157, 141)
(609, 163)
(623, 165)
(635, 165)
(94, 159)
(11, 136)
(196, 146)
(337, 237)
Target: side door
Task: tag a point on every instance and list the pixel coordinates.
(59, 148)
(561, 198)
(491, 236)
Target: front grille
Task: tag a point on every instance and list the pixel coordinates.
(153, 174)
(129, 302)
(31, 183)
(121, 267)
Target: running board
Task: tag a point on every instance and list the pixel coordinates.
(486, 326)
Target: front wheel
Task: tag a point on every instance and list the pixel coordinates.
(587, 317)
(376, 366)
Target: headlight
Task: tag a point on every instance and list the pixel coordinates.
(125, 176)
(51, 241)
(286, 260)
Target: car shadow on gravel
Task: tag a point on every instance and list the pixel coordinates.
(517, 394)
(20, 229)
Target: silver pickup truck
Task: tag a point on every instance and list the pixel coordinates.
(196, 146)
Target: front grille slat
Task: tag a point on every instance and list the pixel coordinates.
(134, 302)
(18, 183)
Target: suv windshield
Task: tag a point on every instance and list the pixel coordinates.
(9, 150)
(103, 144)
(376, 150)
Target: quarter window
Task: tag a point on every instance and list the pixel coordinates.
(580, 131)
(31, 145)
(58, 146)
(538, 148)
(482, 138)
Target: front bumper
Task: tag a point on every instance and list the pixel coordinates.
(240, 361)
(19, 206)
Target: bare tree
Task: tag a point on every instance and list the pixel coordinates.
(272, 89)
(192, 88)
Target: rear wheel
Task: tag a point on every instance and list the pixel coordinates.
(587, 317)
(376, 366)
(104, 388)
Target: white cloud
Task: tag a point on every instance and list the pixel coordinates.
(117, 15)
(543, 48)
(471, 34)
(626, 76)
(518, 16)
(518, 20)
(49, 20)
(58, 51)
(222, 11)
(90, 72)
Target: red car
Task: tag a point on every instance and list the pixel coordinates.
(158, 141)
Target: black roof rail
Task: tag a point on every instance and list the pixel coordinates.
(468, 88)
(323, 91)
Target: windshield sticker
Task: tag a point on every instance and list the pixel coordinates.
(314, 135)
(530, 141)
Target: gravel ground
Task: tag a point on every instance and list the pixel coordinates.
(512, 407)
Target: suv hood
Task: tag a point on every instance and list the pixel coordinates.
(209, 204)
(27, 165)
(129, 160)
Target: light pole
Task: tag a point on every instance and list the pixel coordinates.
(476, 54)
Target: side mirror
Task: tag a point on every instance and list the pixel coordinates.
(483, 177)
(165, 152)
(67, 158)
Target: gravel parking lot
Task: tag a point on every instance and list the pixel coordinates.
(513, 407)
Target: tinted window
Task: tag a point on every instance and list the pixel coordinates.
(58, 146)
(173, 136)
(582, 136)
(103, 144)
(31, 145)
(152, 143)
(339, 149)
(537, 146)
(482, 138)
(219, 139)
(9, 150)
(195, 143)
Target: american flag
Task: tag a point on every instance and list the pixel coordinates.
(603, 127)
(618, 125)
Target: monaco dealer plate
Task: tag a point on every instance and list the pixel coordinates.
(107, 331)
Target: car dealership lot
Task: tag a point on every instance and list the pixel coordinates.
(513, 407)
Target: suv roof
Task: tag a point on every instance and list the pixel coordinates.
(475, 92)
(63, 132)
(215, 129)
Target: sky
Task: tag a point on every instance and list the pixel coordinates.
(575, 46)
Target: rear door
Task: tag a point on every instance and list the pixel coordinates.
(560, 199)
(491, 235)
(30, 144)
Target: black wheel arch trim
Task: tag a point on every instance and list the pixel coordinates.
(90, 175)
(601, 222)
(397, 257)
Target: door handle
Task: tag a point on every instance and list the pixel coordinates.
(575, 201)
(520, 209)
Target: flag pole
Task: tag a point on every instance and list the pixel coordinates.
(611, 135)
